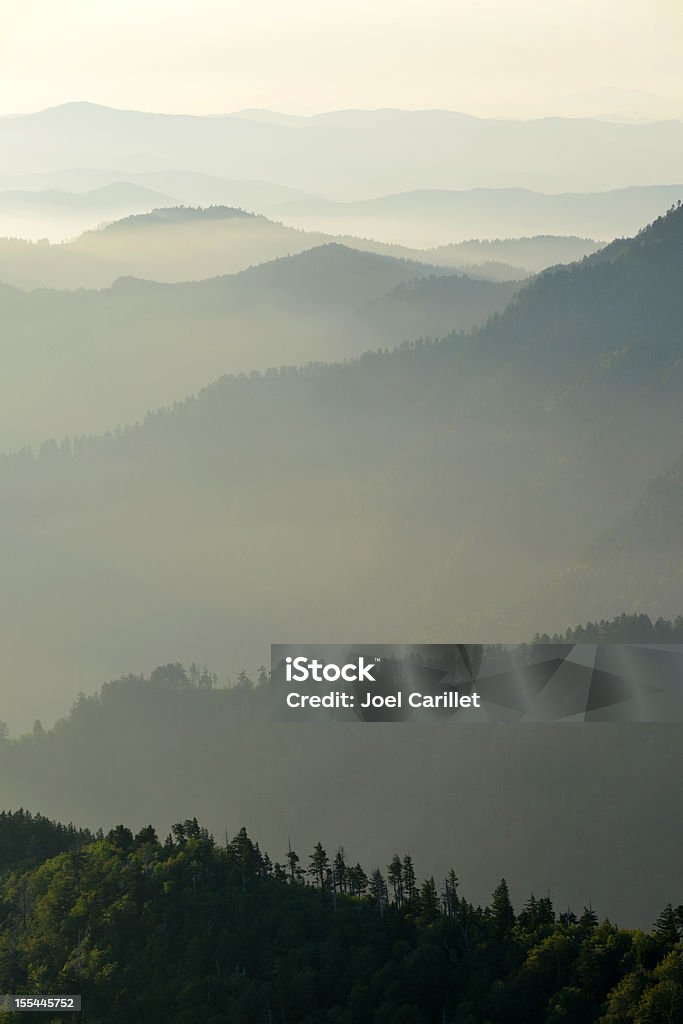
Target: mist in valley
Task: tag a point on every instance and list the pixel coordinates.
(365, 377)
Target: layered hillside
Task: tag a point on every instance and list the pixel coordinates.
(429, 217)
(388, 498)
(89, 360)
(157, 749)
(177, 243)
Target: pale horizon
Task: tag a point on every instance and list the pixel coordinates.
(480, 57)
(263, 113)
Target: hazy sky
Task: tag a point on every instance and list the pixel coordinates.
(507, 57)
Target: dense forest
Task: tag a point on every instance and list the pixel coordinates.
(189, 930)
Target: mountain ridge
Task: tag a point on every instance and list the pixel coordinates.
(432, 217)
(511, 448)
(92, 358)
(197, 243)
(351, 154)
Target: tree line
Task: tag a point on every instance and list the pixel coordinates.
(187, 929)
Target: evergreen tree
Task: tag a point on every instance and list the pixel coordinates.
(263, 676)
(378, 888)
(666, 927)
(501, 909)
(339, 870)
(588, 920)
(318, 865)
(358, 881)
(450, 893)
(429, 900)
(296, 872)
(409, 879)
(395, 878)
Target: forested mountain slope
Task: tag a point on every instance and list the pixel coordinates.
(156, 748)
(435, 305)
(391, 497)
(636, 563)
(194, 929)
(536, 253)
(89, 360)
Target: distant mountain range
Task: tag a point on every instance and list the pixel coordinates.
(116, 196)
(436, 217)
(415, 178)
(57, 214)
(63, 204)
(181, 243)
(185, 186)
(351, 154)
(435, 488)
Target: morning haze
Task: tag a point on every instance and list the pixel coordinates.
(344, 323)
